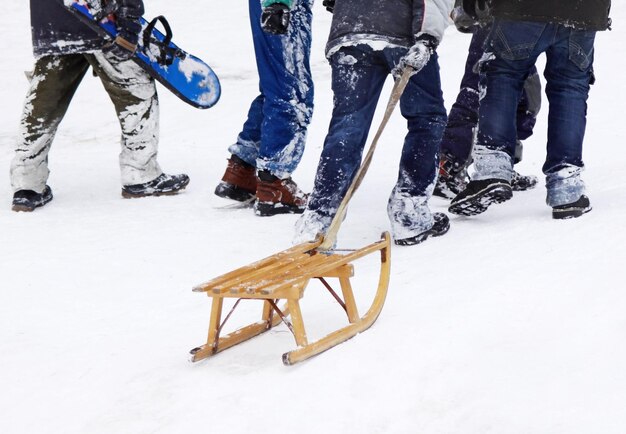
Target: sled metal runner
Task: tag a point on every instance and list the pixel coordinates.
(284, 276)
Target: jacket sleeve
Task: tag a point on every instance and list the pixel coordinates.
(130, 9)
(432, 17)
(265, 3)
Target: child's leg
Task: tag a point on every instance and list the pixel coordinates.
(54, 81)
(287, 88)
(358, 75)
(422, 106)
(134, 96)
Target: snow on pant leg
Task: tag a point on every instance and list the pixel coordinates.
(287, 88)
(133, 93)
(422, 106)
(54, 82)
(358, 76)
(458, 137)
(249, 139)
(515, 47)
(568, 73)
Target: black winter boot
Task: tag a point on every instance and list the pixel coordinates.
(28, 200)
(452, 179)
(572, 210)
(162, 185)
(439, 228)
(478, 195)
(523, 182)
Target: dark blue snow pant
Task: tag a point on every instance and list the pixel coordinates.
(456, 145)
(358, 76)
(274, 134)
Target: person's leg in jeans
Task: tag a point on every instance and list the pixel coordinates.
(358, 76)
(423, 107)
(458, 137)
(274, 135)
(456, 144)
(515, 47)
(569, 72)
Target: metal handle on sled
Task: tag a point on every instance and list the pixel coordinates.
(396, 93)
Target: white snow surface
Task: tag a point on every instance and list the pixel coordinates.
(512, 323)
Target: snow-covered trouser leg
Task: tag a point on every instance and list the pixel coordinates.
(274, 134)
(569, 73)
(358, 76)
(53, 84)
(133, 93)
(422, 106)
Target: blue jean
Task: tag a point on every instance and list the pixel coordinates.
(458, 136)
(358, 76)
(274, 134)
(569, 73)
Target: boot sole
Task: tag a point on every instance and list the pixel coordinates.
(423, 236)
(22, 208)
(569, 213)
(128, 195)
(479, 202)
(26, 208)
(230, 191)
(268, 209)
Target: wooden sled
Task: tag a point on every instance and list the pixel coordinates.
(284, 276)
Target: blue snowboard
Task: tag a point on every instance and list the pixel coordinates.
(185, 75)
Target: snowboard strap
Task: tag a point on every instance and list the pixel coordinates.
(167, 53)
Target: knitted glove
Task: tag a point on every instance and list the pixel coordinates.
(418, 55)
(275, 18)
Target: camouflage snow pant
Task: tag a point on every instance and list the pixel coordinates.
(54, 82)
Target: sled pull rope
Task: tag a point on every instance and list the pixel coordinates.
(396, 93)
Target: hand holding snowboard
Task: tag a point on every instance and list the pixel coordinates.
(133, 38)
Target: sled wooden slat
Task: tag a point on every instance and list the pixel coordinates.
(259, 265)
(285, 276)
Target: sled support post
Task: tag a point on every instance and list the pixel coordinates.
(283, 277)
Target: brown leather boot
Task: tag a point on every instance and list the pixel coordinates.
(278, 196)
(239, 181)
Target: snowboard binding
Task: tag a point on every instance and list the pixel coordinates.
(166, 52)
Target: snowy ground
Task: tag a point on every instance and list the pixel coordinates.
(511, 324)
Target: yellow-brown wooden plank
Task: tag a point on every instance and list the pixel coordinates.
(295, 250)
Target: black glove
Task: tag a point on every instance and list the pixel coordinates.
(329, 4)
(127, 19)
(476, 9)
(275, 19)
